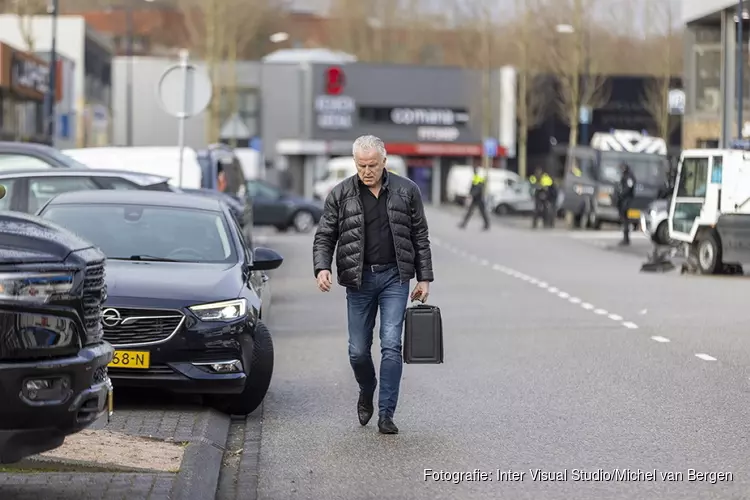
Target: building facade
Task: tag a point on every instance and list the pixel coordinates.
(24, 82)
(307, 113)
(91, 55)
(711, 72)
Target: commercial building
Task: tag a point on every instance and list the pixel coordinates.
(24, 80)
(91, 55)
(312, 111)
(711, 72)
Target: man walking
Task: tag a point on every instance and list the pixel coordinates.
(625, 194)
(377, 220)
(477, 200)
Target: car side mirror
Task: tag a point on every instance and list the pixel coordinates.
(265, 259)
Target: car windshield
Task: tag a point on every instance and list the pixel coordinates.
(648, 169)
(155, 233)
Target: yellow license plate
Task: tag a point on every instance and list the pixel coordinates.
(634, 214)
(131, 359)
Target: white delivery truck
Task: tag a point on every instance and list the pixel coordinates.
(339, 168)
(710, 208)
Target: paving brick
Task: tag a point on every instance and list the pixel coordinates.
(85, 486)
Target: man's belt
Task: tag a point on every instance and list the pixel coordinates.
(379, 268)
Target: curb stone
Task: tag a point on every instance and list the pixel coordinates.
(198, 478)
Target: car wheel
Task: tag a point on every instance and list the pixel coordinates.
(661, 235)
(708, 253)
(303, 221)
(502, 209)
(258, 380)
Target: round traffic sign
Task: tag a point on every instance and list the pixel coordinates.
(184, 91)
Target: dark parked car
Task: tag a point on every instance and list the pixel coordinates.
(184, 306)
(273, 206)
(26, 155)
(28, 190)
(53, 361)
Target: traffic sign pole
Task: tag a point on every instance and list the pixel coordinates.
(184, 92)
(182, 117)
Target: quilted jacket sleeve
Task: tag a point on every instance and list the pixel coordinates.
(420, 237)
(327, 234)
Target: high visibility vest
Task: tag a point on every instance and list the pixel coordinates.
(478, 179)
(545, 181)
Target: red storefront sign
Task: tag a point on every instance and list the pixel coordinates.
(436, 149)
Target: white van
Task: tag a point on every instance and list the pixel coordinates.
(508, 191)
(338, 169)
(154, 160)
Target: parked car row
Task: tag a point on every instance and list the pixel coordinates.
(254, 202)
(120, 279)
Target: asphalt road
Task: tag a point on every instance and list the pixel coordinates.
(560, 356)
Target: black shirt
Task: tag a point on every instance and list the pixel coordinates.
(379, 246)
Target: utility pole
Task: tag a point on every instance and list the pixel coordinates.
(52, 90)
(740, 64)
(487, 98)
(129, 73)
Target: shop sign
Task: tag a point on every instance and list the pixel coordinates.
(29, 74)
(335, 112)
(428, 116)
(441, 134)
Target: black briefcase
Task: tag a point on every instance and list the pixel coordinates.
(423, 335)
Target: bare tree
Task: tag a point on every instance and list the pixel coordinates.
(219, 30)
(655, 96)
(381, 31)
(25, 10)
(579, 81)
(533, 89)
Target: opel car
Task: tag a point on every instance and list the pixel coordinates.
(184, 306)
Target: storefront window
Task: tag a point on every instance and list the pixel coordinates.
(6, 110)
(708, 79)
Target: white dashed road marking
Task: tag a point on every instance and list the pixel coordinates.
(705, 357)
(660, 339)
(537, 282)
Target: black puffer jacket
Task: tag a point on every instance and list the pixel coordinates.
(343, 223)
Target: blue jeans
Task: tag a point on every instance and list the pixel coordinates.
(384, 291)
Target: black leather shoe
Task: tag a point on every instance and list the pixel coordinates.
(386, 426)
(364, 407)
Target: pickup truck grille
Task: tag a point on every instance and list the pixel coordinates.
(128, 326)
(93, 286)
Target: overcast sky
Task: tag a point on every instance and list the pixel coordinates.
(608, 9)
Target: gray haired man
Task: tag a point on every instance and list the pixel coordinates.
(377, 220)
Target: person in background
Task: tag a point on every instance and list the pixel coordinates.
(625, 190)
(378, 222)
(542, 184)
(478, 183)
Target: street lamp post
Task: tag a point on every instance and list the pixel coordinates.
(740, 64)
(50, 120)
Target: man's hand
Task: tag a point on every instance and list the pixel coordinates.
(324, 281)
(421, 291)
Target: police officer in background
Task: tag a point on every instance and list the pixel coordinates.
(543, 191)
(477, 200)
(625, 193)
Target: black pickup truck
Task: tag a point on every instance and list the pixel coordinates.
(53, 361)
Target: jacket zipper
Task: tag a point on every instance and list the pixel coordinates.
(393, 234)
(362, 245)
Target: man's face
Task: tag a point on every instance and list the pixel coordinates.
(369, 166)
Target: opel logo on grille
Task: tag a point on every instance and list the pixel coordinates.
(111, 317)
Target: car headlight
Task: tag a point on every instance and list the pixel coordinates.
(604, 199)
(221, 311)
(34, 287)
